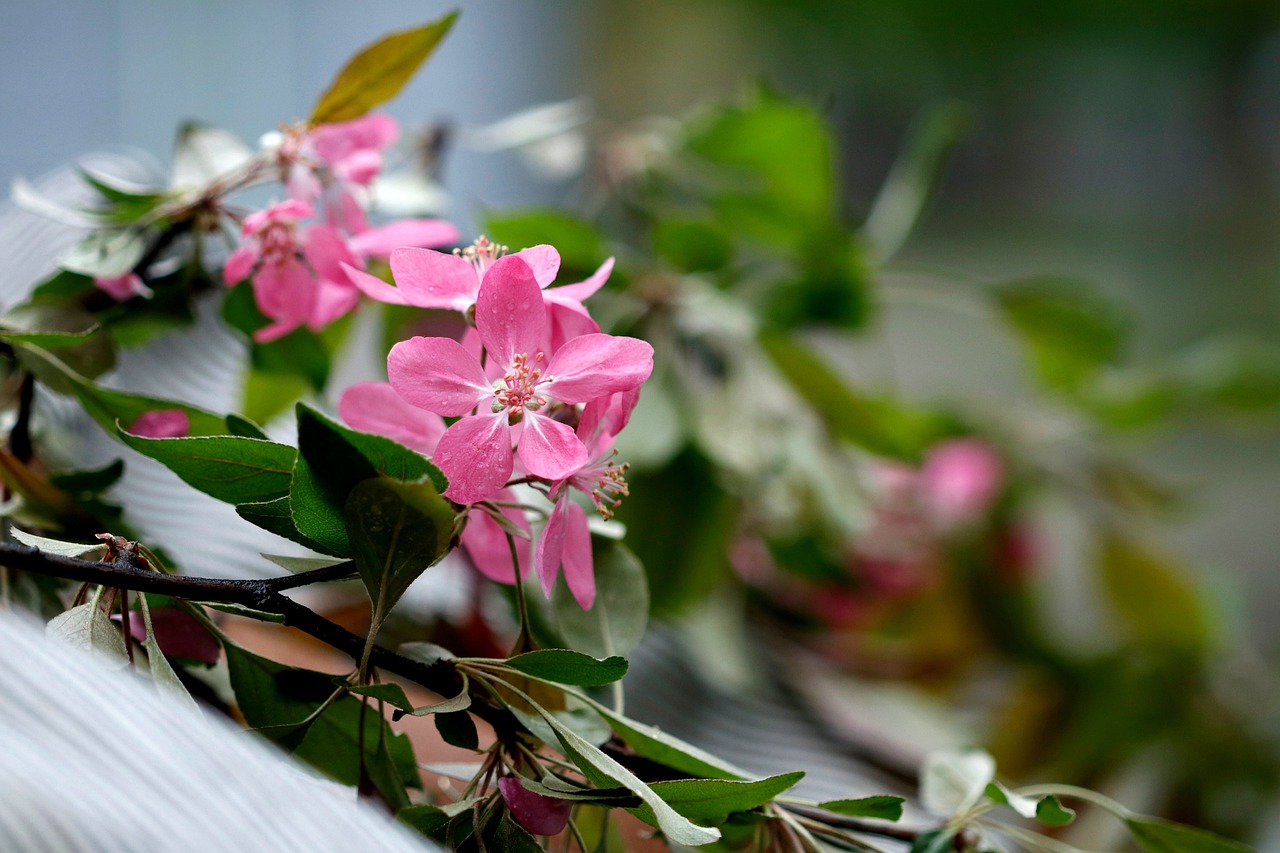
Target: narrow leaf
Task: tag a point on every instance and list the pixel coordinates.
(1161, 836)
(711, 801)
(87, 627)
(56, 546)
(616, 622)
(883, 807)
(569, 667)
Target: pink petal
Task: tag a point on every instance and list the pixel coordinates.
(432, 279)
(604, 417)
(544, 260)
(486, 542)
(379, 242)
(275, 331)
(286, 211)
(340, 140)
(240, 263)
(374, 287)
(302, 184)
(475, 454)
(549, 448)
(960, 480)
(162, 423)
(333, 300)
(439, 375)
(509, 312)
(579, 569)
(578, 292)
(179, 635)
(592, 366)
(327, 250)
(285, 292)
(375, 407)
(538, 814)
(550, 551)
(359, 167)
(123, 287)
(566, 322)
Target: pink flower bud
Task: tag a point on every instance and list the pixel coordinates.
(538, 814)
(960, 481)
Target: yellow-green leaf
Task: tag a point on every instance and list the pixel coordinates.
(377, 73)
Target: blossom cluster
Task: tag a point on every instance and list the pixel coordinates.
(538, 393)
(296, 252)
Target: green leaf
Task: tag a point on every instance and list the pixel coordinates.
(883, 807)
(56, 546)
(457, 728)
(1161, 836)
(581, 246)
(88, 481)
(397, 530)
(1048, 810)
(228, 468)
(86, 627)
(378, 72)
(830, 288)
(162, 674)
(1068, 328)
(276, 516)
(108, 406)
(93, 357)
(1152, 594)
(934, 841)
(106, 253)
(883, 427)
(616, 621)
(279, 702)
(510, 836)
(602, 769)
(244, 427)
(314, 514)
(692, 245)
(393, 694)
(711, 801)
(557, 788)
(1051, 812)
(569, 667)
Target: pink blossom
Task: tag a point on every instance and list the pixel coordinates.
(959, 482)
(179, 635)
(162, 423)
(123, 287)
(441, 376)
(428, 279)
(566, 540)
(375, 407)
(537, 813)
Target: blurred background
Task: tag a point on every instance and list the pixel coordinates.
(1134, 147)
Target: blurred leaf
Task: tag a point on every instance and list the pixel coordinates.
(228, 468)
(564, 666)
(1051, 812)
(915, 175)
(86, 627)
(616, 621)
(64, 284)
(89, 359)
(125, 202)
(711, 801)
(1128, 398)
(203, 153)
(934, 841)
(88, 481)
(1046, 809)
(378, 72)
(267, 395)
(951, 781)
(106, 253)
(784, 151)
(692, 245)
(1161, 836)
(831, 287)
(1134, 489)
(1235, 376)
(1068, 328)
(397, 530)
(301, 354)
(237, 425)
(1152, 595)
(108, 407)
(881, 807)
(581, 246)
(656, 745)
(884, 427)
(508, 835)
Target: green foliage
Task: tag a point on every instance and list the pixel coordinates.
(1152, 595)
(569, 667)
(226, 467)
(882, 807)
(711, 801)
(397, 530)
(1161, 836)
(692, 245)
(581, 245)
(616, 621)
(378, 72)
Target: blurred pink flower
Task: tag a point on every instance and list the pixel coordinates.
(162, 423)
(123, 287)
(441, 376)
(960, 481)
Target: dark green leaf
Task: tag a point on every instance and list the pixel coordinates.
(1051, 812)
(711, 801)
(277, 699)
(393, 694)
(1161, 836)
(397, 530)
(1069, 329)
(91, 358)
(378, 72)
(109, 407)
(428, 820)
(569, 667)
(244, 427)
(88, 480)
(616, 621)
(510, 836)
(553, 786)
(277, 517)
(314, 514)
(692, 245)
(458, 729)
(228, 468)
(830, 287)
(882, 807)
(934, 841)
(64, 284)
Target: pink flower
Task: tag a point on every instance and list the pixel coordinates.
(537, 813)
(566, 540)
(441, 376)
(162, 423)
(375, 407)
(428, 279)
(123, 287)
(959, 482)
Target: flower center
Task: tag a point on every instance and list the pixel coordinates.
(277, 242)
(608, 483)
(518, 391)
(481, 254)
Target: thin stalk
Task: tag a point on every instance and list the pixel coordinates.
(524, 641)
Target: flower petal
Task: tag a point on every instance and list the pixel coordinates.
(333, 300)
(509, 311)
(326, 250)
(240, 263)
(381, 241)
(376, 407)
(604, 417)
(578, 292)
(566, 322)
(485, 542)
(549, 448)
(437, 374)
(475, 454)
(550, 551)
(374, 287)
(579, 569)
(544, 260)
(591, 366)
(431, 279)
(285, 292)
